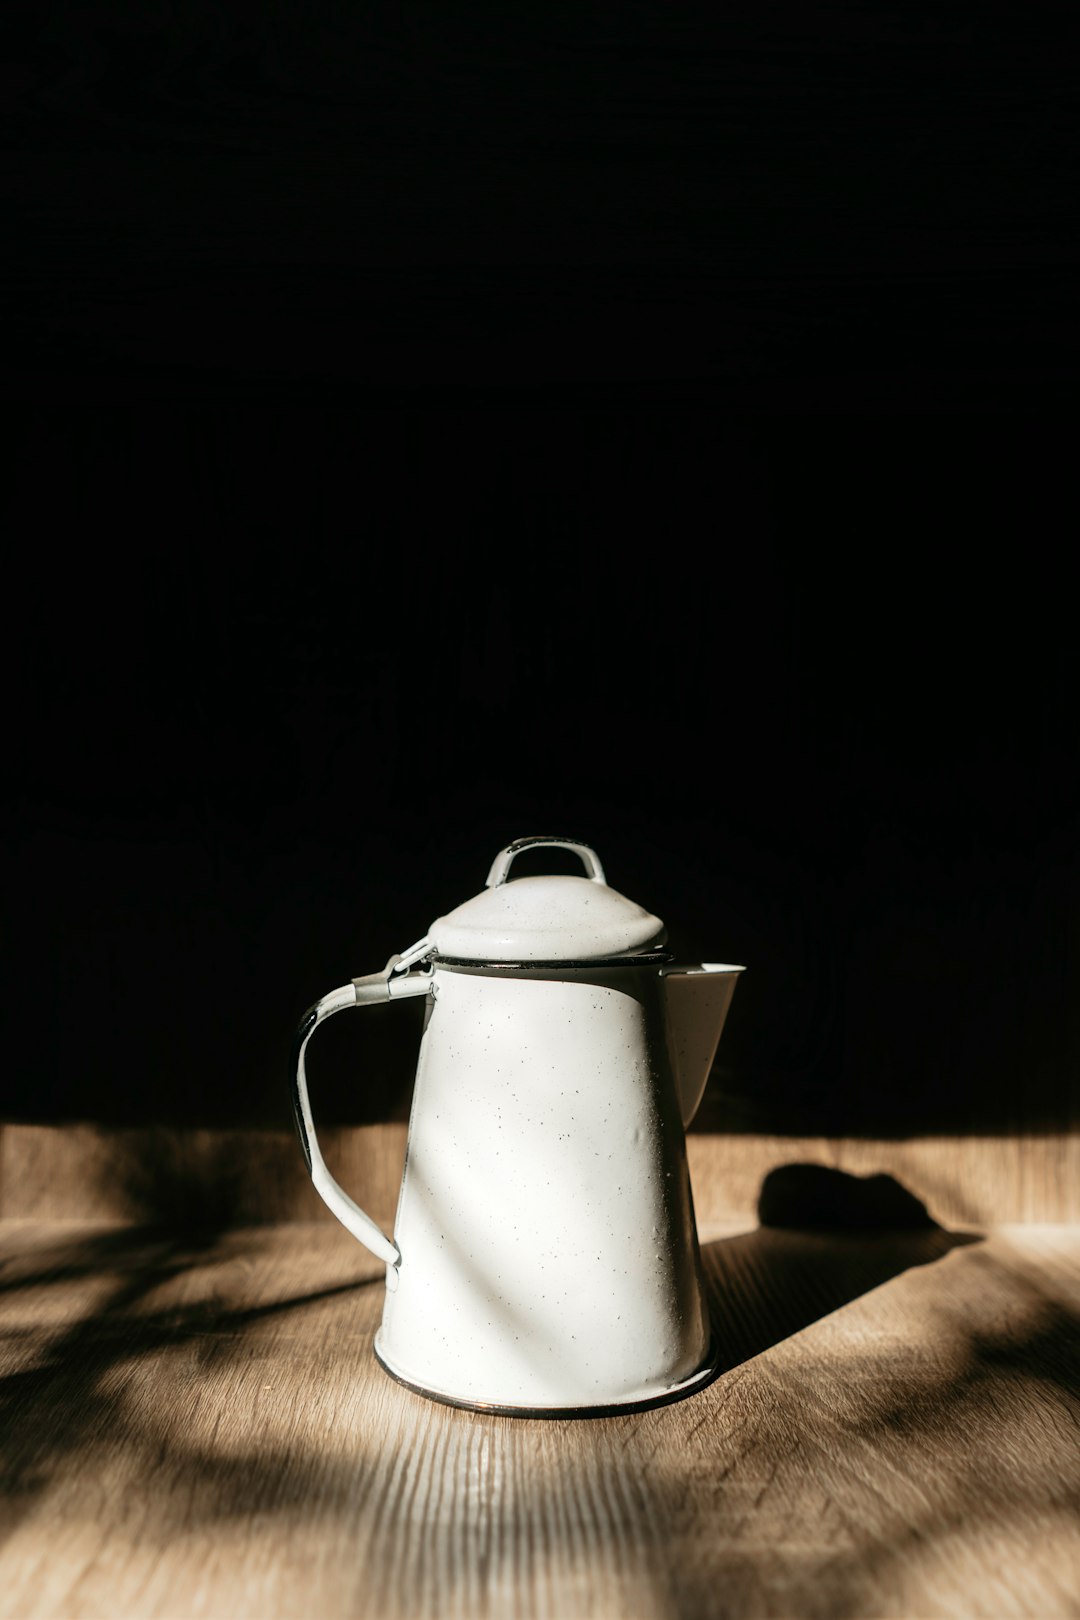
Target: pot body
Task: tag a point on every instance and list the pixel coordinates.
(549, 1256)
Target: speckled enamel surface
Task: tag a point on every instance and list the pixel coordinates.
(546, 1231)
(544, 918)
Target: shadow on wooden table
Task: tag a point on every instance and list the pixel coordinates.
(825, 1238)
(182, 1393)
(88, 1311)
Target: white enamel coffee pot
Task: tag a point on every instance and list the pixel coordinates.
(545, 1258)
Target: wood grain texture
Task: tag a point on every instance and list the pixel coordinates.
(197, 1427)
(88, 1172)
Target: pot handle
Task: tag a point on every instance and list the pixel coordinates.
(393, 983)
(500, 866)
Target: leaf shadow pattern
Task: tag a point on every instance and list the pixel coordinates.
(934, 1462)
(825, 1238)
(89, 1407)
(439, 1510)
(72, 1399)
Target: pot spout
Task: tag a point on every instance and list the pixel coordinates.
(698, 998)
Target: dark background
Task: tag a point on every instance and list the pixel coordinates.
(424, 428)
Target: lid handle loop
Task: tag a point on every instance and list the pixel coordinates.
(500, 866)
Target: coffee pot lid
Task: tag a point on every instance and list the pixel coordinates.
(545, 919)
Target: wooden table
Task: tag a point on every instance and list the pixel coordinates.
(195, 1426)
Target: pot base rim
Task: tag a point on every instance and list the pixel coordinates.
(699, 1380)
